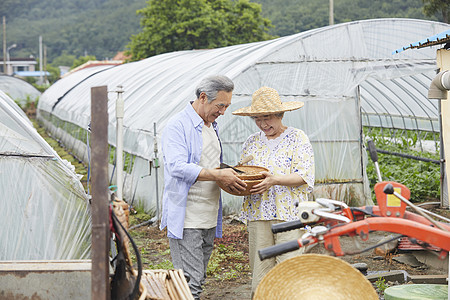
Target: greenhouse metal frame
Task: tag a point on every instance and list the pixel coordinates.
(346, 74)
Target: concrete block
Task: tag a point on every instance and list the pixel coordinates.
(428, 279)
(50, 280)
(431, 260)
(395, 275)
(408, 259)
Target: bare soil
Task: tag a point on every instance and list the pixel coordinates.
(230, 278)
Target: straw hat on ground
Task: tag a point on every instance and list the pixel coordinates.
(266, 101)
(315, 276)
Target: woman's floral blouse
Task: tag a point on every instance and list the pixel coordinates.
(291, 152)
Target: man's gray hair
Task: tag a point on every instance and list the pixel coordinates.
(211, 85)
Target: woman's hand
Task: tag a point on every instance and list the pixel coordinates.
(288, 180)
(268, 181)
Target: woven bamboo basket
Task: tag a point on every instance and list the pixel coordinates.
(252, 176)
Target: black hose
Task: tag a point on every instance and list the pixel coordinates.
(409, 156)
(375, 246)
(138, 259)
(363, 211)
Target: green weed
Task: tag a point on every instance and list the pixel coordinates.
(422, 178)
(165, 264)
(381, 285)
(219, 265)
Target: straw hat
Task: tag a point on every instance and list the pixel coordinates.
(266, 101)
(315, 276)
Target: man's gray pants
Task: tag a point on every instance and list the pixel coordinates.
(191, 254)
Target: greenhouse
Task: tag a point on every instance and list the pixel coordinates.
(18, 89)
(346, 74)
(45, 211)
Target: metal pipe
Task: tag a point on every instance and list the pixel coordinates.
(443, 184)
(4, 45)
(100, 200)
(40, 60)
(156, 164)
(410, 156)
(433, 214)
(439, 86)
(418, 210)
(119, 142)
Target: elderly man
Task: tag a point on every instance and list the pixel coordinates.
(192, 206)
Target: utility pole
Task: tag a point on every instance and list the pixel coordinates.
(41, 80)
(331, 12)
(4, 44)
(45, 64)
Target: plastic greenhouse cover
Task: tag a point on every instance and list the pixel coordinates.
(65, 84)
(18, 89)
(339, 71)
(8, 101)
(45, 213)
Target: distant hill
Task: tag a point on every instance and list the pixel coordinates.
(294, 16)
(78, 27)
(104, 27)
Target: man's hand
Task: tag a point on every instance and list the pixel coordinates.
(228, 177)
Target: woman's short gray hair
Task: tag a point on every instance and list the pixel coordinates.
(211, 85)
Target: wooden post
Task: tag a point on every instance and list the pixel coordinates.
(100, 201)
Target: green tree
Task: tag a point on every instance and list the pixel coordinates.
(81, 60)
(294, 16)
(54, 73)
(173, 25)
(64, 59)
(431, 7)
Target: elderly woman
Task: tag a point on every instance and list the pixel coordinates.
(288, 154)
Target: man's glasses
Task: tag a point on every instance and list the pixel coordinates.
(221, 106)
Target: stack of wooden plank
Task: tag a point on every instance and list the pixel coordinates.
(155, 284)
(165, 285)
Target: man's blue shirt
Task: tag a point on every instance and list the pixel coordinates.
(182, 148)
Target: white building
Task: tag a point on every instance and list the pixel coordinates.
(14, 65)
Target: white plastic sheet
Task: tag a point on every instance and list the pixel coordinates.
(44, 209)
(19, 90)
(345, 73)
